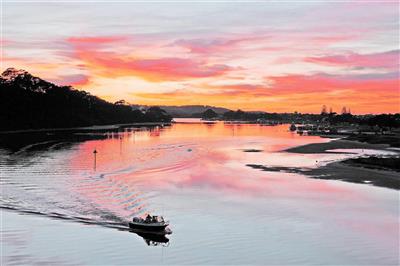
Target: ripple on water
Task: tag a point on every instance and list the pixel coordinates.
(221, 210)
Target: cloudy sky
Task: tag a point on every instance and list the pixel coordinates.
(274, 56)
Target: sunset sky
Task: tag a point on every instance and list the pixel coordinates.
(278, 56)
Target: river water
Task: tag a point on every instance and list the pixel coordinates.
(58, 208)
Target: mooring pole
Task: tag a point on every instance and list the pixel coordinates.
(120, 145)
(94, 153)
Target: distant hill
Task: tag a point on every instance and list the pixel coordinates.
(186, 110)
(28, 102)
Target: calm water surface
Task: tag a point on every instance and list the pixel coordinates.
(62, 211)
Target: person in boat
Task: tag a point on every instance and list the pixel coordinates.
(148, 218)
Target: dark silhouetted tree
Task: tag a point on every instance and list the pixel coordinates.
(208, 114)
(323, 110)
(28, 102)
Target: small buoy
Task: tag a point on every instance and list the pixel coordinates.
(189, 150)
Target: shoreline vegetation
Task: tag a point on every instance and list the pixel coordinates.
(28, 102)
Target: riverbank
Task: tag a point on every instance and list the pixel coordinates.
(90, 128)
(392, 140)
(367, 174)
(375, 162)
(378, 171)
(41, 138)
(343, 171)
(330, 147)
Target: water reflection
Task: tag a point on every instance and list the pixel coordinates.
(197, 173)
(153, 238)
(133, 163)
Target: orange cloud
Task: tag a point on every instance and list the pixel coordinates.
(303, 93)
(72, 80)
(285, 93)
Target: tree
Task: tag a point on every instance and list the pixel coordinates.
(28, 102)
(155, 113)
(121, 102)
(385, 120)
(208, 114)
(323, 110)
(232, 115)
(344, 110)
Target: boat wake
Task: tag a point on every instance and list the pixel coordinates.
(119, 223)
(115, 222)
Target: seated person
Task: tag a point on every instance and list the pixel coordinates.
(148, 218)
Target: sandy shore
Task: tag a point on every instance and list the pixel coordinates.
(335, 144)
(357, 174)
(345, 170)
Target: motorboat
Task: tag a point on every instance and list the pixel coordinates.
(149, 224)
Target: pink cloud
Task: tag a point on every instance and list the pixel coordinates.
(6, 42)
(389, 60)
(88, 50)
(322, 82)
(332, 39)
(73, 80)
(154, 69)
(206, 46)
(316, 83)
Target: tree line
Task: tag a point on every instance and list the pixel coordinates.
(381, 120)
(30, 103)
